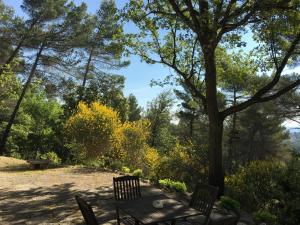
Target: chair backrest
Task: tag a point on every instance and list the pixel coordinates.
(204, 198)
(127, 188)
(87, 211)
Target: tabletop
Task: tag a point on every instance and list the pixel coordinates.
(143, 211)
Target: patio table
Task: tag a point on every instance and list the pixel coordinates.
(143, 211)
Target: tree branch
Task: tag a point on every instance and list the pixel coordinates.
(181, 14)
(257, 97)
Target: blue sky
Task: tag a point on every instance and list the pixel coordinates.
(139, 74)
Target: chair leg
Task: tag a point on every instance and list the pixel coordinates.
(118, 216)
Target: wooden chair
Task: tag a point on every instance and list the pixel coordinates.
(126, 188)
(203, 199)
(87, 211)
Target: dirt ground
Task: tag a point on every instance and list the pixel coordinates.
(47, 196)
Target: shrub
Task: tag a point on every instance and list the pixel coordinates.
(137, 172)
(173, 185)
(230, 204)
(265, 186)
(264, 217)
(125, 169)
(98, 163)
(132, 141)
(181, 163)
(257, 184)
(114, 165)
(93, 127)
(151, 162)
(52, 157)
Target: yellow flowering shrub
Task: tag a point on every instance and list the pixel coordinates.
(132, 141)
(93, 130)
(152, 161)
(178, 164)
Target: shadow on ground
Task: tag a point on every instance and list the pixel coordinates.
(56, 205)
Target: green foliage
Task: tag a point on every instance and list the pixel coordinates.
(9, 90)
(52, 157)
(137, 172)
(258, 135)
(228, 203)
(264, 217)
(269, 186)
(96, 163)
(125, 169)
(134, 111)
(159, 115)
(38, 123)
(104, 88)
(46, 122)
(173, 185)
(181, 163)
(115, 165)
(257, 184)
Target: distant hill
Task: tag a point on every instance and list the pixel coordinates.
(295, 139)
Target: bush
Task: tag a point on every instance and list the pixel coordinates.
(151, 162)
(114, 165)
(173, 185)
(125, 169)
(93, 127)
(98, 163)
(137, 172)
(264, 217)
(257, 185)
(265, 186)
(181, 163)
(132, 142)
(230, 204)
(52, 157)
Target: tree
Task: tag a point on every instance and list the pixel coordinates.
(185, 36)
(159, 115)
(101, 46)
(9, 90)
(6, 15)
(259, 136)
(52, 40)
(105, 88)
(17, 32)
(134, 111)
(43, 133)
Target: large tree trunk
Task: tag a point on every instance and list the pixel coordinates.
(16, 109)
(216, 173)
